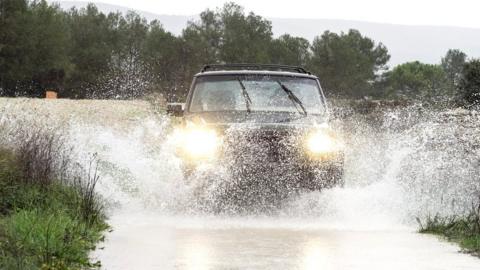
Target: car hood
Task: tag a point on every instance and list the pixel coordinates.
(257, 119)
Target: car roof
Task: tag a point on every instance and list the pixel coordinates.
(255, 72)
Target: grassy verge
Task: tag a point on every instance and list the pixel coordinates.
(50, 217)
(463, 230)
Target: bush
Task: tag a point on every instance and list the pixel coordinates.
(42, 156)
(9, 174)
(50, 215)
(463, 230)
(470, 82)
(48, 238)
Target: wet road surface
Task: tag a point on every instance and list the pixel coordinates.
(176, 243)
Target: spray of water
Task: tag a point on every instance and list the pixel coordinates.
(401, 163)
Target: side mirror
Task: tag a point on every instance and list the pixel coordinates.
(175, 109)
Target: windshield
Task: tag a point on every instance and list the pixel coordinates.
(225, 93)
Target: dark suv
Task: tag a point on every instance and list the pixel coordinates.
(263, 123)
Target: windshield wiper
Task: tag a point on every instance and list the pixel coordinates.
(296, 101)
(248, 101)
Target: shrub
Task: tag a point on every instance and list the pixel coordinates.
(43, 159)
(48, 238)
(9, 173)
(463, 229)
(470, 82)
(42, 156)
(50, 215)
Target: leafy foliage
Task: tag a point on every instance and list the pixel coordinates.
(464, 230)
(418, 80)
(470, 82)
(347, 63)
(34, 41)
(47, 239)
(93, 39)
(452, 64)
(84, 53)
(161, 50)
(50, 216)
(244, 38)
(290, 50)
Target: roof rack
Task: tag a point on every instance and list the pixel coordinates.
(270, 67)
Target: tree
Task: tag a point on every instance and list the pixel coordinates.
(290, 50)
(452, 64)
(162, 54)
(200, 45)
(470, 82)
(228, 35)
(128, 76)
(225, 35)
(418, 80)
(94, 37)
(244, 38)
(34, 47)
(347, 63)
(203, 37)
(13, 15)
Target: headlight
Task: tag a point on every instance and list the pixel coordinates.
(322, 142)
(198, 142)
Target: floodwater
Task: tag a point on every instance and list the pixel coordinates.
(401, 165)
(151, 243)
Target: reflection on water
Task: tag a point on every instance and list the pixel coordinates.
(316, 256)
(196, 255)
(166, 243)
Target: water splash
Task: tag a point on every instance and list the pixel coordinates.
(401, 163)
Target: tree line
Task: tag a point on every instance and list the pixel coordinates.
(84, 53)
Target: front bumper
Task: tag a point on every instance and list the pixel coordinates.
(265, 150)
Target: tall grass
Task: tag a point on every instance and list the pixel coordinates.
(91, 209)
(464, 230)
(50, 215)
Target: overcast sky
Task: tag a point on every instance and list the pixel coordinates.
(413, 12)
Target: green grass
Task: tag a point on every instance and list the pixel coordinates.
(463, 230)
(46, 226)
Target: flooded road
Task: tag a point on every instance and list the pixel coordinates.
(147, 242)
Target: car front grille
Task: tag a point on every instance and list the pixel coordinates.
(260, 146)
